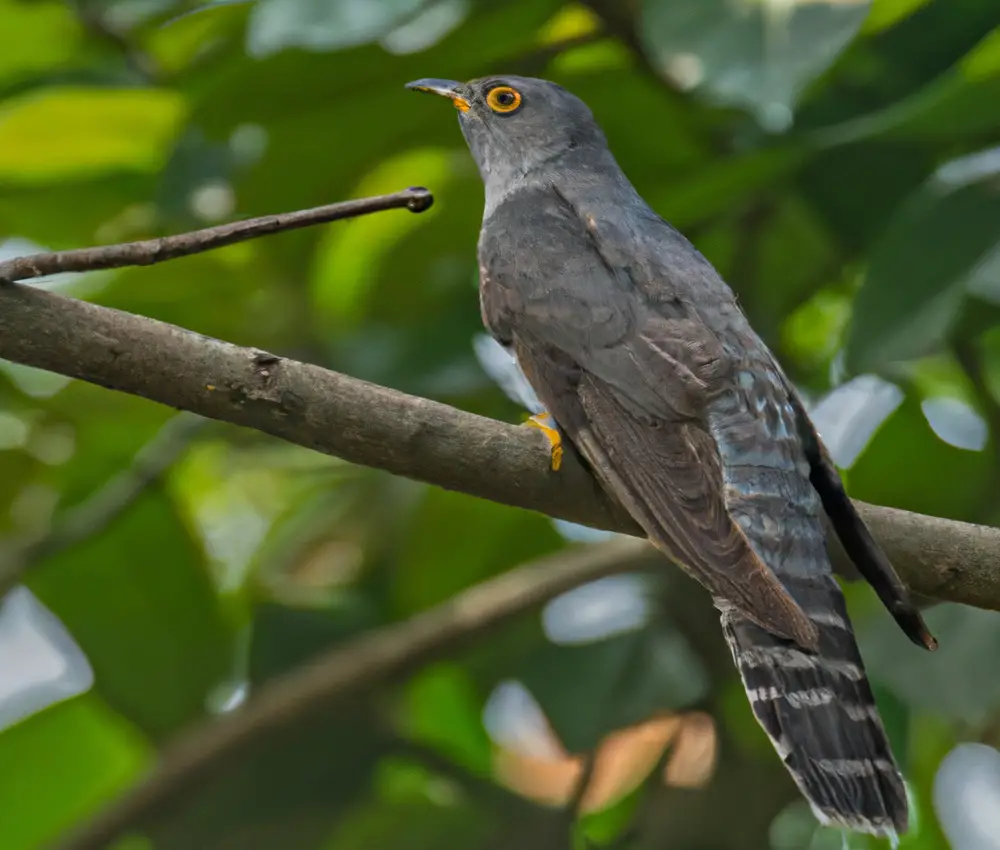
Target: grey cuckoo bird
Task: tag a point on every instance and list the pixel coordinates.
(640, 353)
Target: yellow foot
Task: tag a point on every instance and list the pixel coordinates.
(544, 423)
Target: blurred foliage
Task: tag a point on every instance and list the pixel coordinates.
(838, 160)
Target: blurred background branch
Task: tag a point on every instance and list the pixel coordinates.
(348, 672)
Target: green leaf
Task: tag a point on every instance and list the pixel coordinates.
(61, 765)
(931, 739)
(290, 789)
(589, 690)
(188, 36)
(812, 333)
(896, 717)
(329, 24)
(962, 101)
(50, 214)
(202, 287)
(793, 828)
(723, 184)
(109, 430)
(957, 681)
(139, 602)
(443, 709)
(990, 343)
(906, 465)
(285, 637)
(920, 270)
(455, 541)
(888, 13)
(112, 130)
(794, 252)
(411, 825)
(359, 293)
(755, 54)
(350, 255)
(47, 36)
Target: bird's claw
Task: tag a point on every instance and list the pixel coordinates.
(544, 423)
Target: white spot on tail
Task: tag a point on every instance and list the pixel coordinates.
(881, 826)
(855, 767)
(796, 659)
(763, 694)
(809, 698)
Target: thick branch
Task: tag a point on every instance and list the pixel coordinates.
(151, 251)
(380, 657)
(421, 439)
(414, 437)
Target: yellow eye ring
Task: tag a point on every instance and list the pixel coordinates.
(503, 99)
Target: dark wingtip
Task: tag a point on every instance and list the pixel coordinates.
(856, 539)
(915, 628)
(927, 640)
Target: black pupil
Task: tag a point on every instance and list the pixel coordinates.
(505, 98)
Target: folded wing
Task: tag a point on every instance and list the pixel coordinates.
(659, 458)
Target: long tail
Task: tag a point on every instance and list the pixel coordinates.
(819, 712)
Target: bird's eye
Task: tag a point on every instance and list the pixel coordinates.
(503, 99)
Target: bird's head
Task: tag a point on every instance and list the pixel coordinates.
(516, 125)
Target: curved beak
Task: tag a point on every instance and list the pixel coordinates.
(445, 88)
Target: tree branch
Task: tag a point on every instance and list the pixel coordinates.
(420, 439)
(371, 660)
(151, 251)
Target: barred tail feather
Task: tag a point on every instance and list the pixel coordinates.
(819, 712)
